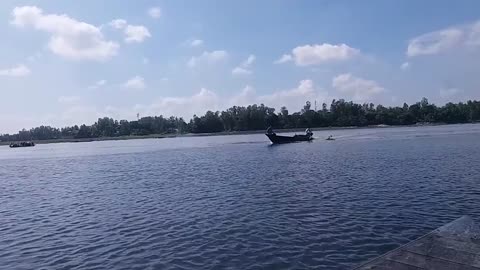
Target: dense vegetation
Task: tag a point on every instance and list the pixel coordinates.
(257, 117)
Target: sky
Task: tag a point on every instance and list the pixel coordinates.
(70, 62)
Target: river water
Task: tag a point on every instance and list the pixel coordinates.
(233, 202)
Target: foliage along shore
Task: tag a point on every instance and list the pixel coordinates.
(222, 133)
(252, 118)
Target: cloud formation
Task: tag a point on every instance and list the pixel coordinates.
(154, 12)
(118, 23)
(405, 66)
(294, 99)
(133, 33)
(17, 71)
(245, 67)
(207, 58)
(283, 59)
(136, 83)
(443, 40)
(450, 93)
(69, 38)
(196, 43)
(316, 54)
(193, 42)
(358, 88)
(136, 33)
(98, 84)
(186, 107)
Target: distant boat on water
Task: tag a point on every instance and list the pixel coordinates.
(278, 139)
(22, 144)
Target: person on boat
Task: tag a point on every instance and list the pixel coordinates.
(308, 132)
(330, 138)
(270, 130)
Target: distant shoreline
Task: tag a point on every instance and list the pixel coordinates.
(223, 133)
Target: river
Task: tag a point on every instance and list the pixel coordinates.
(233, 202)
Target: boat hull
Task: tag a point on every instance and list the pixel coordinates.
(22, 144)
(278, 139)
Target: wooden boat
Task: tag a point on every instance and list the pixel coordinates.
(22, 144)
(277, 139)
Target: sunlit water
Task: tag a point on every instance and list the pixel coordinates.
(233, 202)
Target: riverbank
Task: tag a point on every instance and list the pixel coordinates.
(223, 133)
(120, 138)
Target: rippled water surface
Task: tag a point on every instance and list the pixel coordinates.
(233, 202)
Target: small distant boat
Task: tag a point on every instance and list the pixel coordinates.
(278, 139)
(22, 144)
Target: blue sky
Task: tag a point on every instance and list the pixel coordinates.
(70, 62)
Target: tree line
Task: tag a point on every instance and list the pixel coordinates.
(340, 113)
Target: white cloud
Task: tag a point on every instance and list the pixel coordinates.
(136, 82)
(155, 12)
(283, 59)
(294, 99)
(249, 61)
(193, 42)
(69, 38)
(118, 23)
(405, 66)
(207, 58)
(17, 71)
(246, 97)
(443, 40)
(136, 33)
(98, 84)
(196, 42)
(473, 36)
(435, 42)
(360, 89)
(68, 99)
(450, 93)
(185, 107)
(245, 67)
(316, 54)
(241, 71)
(133, 33)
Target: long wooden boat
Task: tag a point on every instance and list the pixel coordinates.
(277, 139)
(22, 144)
